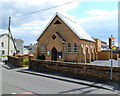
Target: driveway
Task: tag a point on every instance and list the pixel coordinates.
(116, 63)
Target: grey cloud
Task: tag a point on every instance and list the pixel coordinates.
(14, 9)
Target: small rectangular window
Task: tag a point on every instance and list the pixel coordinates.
(2, 52)
(11, 51)
(75, 47)
(69, 48)
(2, 44)
(42, 48)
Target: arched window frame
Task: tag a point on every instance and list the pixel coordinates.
(42, 48)
(75, 48)
(69, 47)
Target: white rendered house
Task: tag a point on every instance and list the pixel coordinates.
(4, 45)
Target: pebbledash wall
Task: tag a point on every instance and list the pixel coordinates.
(85, 70)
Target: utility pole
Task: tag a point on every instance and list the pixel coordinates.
(10, 35)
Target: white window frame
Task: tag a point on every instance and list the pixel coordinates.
(69, 48)
(75, 48)
(42, 48)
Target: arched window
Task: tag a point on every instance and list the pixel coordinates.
(75, 47)
(69, 48)
(42, 48)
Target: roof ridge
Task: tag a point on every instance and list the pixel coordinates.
(74, 26)
(1, 35)
(65, 17)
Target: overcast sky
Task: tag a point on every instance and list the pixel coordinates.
(99, 18)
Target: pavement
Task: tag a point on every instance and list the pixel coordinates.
(104, 85)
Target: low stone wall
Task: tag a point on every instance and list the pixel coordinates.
(85, 70)
(105, 55)
(17, 61)
(115, 56)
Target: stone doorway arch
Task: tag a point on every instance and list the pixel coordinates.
(54, 54)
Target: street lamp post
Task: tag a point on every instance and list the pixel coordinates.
(111, 47)
(111, 64)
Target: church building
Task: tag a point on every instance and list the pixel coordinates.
(64, 40)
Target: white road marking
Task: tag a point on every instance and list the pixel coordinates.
(13, 93)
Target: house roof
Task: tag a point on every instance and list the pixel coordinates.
(19, 40)
(76, 28)
(1, 35)
(103, 42)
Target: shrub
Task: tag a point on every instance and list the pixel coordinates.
(26, 62)
(41, 57)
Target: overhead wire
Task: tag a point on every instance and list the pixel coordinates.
(40, 11)
(48, 8)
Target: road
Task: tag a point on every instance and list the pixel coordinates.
(0, 78)
(16, 83)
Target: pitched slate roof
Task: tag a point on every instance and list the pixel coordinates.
(1, 35)
(76, 28)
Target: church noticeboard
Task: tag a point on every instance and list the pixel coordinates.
(48, 53)
(59, 54)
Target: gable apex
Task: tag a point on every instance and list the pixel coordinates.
(47, 25)
(57, 22)
(72, 25)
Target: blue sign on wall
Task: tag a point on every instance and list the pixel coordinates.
(59, 54)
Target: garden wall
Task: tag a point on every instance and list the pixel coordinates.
(17, 61)
(85, 70)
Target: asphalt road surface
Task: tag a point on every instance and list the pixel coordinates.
(16, 83)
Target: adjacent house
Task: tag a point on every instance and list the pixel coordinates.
(25, 51)
(100, 45)
(19, 45)
(4, 45)
(31, 48)
(64, 40)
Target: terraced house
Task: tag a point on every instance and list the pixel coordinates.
(64, 40)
